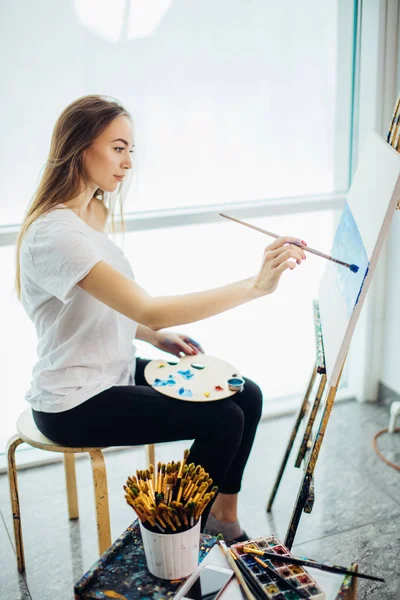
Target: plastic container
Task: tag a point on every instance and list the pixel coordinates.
(171, 556)
(236, 384)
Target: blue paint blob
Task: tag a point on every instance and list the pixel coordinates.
(186, 374)
(185, 393)
(348, 247)
(171, 380)
(162, 382)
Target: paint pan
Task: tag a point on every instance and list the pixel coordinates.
(280, 550)
(295, 569)
(236, 384)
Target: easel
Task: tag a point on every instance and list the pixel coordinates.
(305, 497)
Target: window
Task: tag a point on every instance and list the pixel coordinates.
(231, 101)
(243, 104)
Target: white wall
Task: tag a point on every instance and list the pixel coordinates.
(390, 368)
(390, 373)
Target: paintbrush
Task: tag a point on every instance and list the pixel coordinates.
(310, 563)
(353, 268)
(154, 501)
(256, 588)
(240, 577)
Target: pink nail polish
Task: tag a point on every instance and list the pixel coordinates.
(304, 243)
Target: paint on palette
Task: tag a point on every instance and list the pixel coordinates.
(348, 247)
(161, 382)
(187, 374)
(235, 383)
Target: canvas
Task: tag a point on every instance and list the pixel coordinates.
(363, 227)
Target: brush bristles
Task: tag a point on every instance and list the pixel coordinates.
(354, 268)
(171, 499)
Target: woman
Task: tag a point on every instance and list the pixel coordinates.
(77, 286)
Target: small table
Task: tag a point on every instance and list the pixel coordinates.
(121, 573)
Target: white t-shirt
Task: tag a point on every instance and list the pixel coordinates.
(84, 347)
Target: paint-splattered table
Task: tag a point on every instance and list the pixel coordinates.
(121, 572)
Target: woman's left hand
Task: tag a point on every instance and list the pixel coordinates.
(176, 343)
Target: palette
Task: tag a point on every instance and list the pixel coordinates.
(199, 378)
(295, 575)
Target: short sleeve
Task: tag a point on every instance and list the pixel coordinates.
(62, 255)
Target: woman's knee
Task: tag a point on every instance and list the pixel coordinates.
(251, 400)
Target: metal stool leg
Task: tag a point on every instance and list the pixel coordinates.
(101, 499)
(12, 445)
(70, 480)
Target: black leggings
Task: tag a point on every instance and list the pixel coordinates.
(223, 431)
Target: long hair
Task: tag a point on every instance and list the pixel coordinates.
(75, 130)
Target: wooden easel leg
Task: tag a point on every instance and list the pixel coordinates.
(299, 418)
(302, 496)
(12, 445)
(70, 480)
(101, 499)
(353, 586)
(310, 423)
(348, 589)
(301, 500)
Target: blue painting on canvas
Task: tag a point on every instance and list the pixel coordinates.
(348, 247)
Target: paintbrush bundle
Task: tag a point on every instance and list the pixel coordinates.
(172, 498)
(272, 578)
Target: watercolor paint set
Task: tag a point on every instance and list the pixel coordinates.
(278, 580)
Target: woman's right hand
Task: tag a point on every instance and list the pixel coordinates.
(284, 253)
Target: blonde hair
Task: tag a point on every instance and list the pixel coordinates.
(80, 123)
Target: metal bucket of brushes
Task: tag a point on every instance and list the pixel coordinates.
(169, 502)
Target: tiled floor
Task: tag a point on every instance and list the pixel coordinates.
(356, 516)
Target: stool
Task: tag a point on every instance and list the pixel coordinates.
(29, 433)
